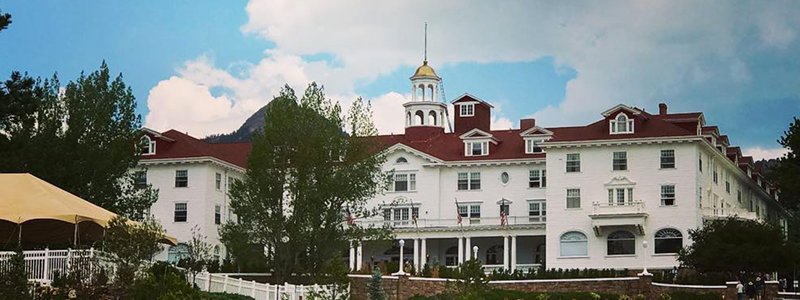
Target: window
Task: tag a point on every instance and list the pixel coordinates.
(149, 146)
(728, 183)
(616, 196)
(401, 160)
(180, 212)
(218, 181)
(668, 195)
(716, 178)
(451, 257)
(176, 253)
(217, 254)
(667, 159)
(471, 211)
(573, 198)
(181, 178)
(537, 211)
(668, 240)
(400, 215)
(217, 214)
(537, 178)
(700, 164)
(504, 178)
(140, 179)
(533, 146)
(739, 194)
(505, 208)
(574, 243)
(494, 255)
(476, 148)
(402, 182)
(467, 110)
(469, 181)
(621, 242)
(620, 162)
(621, 124)
(573, 162)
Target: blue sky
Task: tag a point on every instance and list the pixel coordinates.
(205, 66)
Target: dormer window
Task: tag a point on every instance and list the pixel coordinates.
(149, 146)
(476, 148)
(467, 110)
(621, 124)
(533, 146)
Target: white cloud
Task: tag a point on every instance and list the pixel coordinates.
(759, 153)
(639, 53)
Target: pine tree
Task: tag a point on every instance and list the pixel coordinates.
(374, 286)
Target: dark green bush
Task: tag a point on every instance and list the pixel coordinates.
(695, 296)
(225, 296)
(505, 294)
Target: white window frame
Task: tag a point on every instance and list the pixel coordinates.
(218, 181)
(466, 110)
(620, 195)
(574, 158)
(473, 181)
(483, 146)
(537, 211)
(621, 120)
(532, 145)
(217, 214)
(580, 239)
(667, 234)
(410, 178)
(150, 146)
(667, 196)
(187, 178)
(662, 156)
(175, 210)
(619, 161)
(471, 211)
(537, 177)
(576, 195)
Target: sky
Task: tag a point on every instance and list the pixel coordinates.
(204, 66)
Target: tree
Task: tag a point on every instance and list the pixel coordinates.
(129, 246)
(84, 137)
(787, 176)
(304, 174)
(198, 254)
(14, 279)
(472, 281)
(375, 286)
(739, 248)
(5, 20)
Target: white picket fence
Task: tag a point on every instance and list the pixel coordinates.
(42, 265)
(222, 283)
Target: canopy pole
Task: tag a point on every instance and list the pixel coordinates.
(19, 237)
(75, 238)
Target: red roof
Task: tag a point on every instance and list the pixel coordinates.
(185, 146)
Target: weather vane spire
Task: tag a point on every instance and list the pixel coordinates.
(425, 54)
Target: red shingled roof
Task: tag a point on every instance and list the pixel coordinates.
(450, 147)
(185, 146)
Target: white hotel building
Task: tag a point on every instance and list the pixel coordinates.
(574, 197)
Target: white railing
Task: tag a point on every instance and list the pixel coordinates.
(716, 212)
(465, 222)
(605, 208)
(41, 265)
(220, 283)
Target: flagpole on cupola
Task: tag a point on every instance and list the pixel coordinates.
(425, 51)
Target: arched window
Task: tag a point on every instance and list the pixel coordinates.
(668, 240)
(494, 255)
(421, 93)
(431, 94)
(574, 243)
(408, 119)
(621, 242)
(149, 146)
(401, 160)
(176, 253)
(432, 118)
(622, 124)
(216, 253)
(451, 256)
(420, 116)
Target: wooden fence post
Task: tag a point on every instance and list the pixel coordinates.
(208, 282)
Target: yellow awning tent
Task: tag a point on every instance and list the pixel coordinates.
(36, 211)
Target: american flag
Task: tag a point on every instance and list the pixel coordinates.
(458, 214)
(413, 215)
(350, 219)
(503, 218)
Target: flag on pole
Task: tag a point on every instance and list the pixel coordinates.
(458, 214)
(413, 215)
(350, 219)
(503, 218)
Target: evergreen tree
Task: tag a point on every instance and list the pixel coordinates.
(304, 175)
(375, 287)
(5, 20)
(787, 176)
(84, 138)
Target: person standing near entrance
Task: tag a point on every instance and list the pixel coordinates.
(740, 290)
(750, 290)
(759, 288)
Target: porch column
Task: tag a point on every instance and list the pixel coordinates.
(513, 253)
(416, 255)
(505, 252)
(352, 257)
(468, 249)
(460, 250)
(423, 254)
(359, 256)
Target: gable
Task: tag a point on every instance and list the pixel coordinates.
(536, 131)
(468, 98)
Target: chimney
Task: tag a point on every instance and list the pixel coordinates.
(662, 108)
(525, 124)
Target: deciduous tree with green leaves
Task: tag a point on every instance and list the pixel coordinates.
(739, 248)
(84, 137)
(304, 174)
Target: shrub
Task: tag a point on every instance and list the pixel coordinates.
(694, 296)
(506, 294)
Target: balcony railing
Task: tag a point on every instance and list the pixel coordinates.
(465, 222)
(721, 213)
(626, 208)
